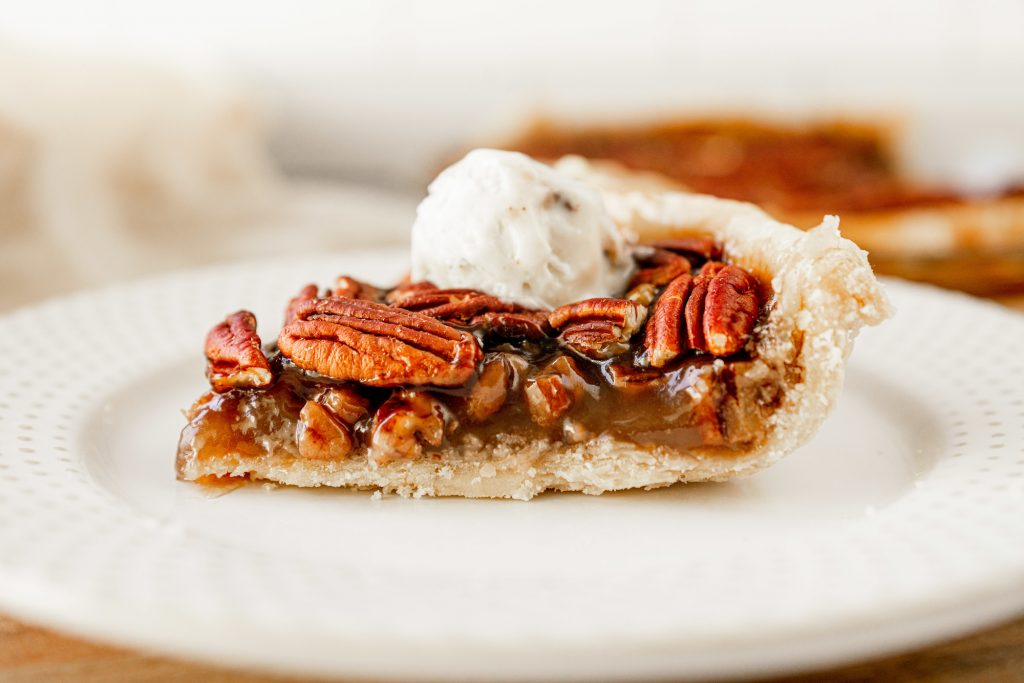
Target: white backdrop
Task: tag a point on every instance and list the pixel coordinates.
(382, 90)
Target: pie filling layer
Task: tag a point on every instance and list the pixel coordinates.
(374, 375)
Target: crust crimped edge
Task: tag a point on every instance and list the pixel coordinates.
(824, 292)
(941, 229)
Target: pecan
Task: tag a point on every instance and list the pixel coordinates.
(307, 293)
(622, 312)
(489, 393)
(377, 345)
(320, 436)
(554, 390)
(453, 304)
(664, 339)
(730, 310)
(703, 246)
(693, 313)
(598, 340)
(632, 380)
(499, 328)
(404, 423)
(234, 354)
(711, 268)
(345, 403)
(722, 309)
(659, 267)
(598, 328)
(406, 288)
(346, 287)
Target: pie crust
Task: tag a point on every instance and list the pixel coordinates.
(770, 399)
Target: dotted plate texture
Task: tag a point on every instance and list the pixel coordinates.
(901, 523)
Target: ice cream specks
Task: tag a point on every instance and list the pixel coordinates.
(509, 226)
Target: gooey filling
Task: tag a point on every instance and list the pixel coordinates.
(657, 365)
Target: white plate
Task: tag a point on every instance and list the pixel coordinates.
(902, 522)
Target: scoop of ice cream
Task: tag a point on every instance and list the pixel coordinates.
(507, 225)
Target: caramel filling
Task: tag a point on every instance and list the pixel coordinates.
(595, 367)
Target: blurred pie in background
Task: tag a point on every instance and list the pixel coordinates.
(799, 172)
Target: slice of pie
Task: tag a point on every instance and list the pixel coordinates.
(721, 349)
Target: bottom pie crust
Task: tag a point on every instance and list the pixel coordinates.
(509, 467)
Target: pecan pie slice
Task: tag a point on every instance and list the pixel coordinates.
(723, 352)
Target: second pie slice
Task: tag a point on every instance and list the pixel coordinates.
(563, 329)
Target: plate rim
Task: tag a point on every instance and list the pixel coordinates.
(29, 602)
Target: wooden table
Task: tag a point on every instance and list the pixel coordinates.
(34, 655)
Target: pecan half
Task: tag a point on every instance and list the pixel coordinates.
(554, 390)
(659, 267)
(631, 380)
(307, 293)
(623, 312)
(346, 287)
(345, 403)
(730, 310)
(722, 309)
(500, 328)
(598, 328)
(599, 340)
(453, 304)
(377, 345)
(693, 313)
(664, 339)
(406, 288)
(703, 246)
(711, 268)
(235, 355)
(404, 423)
(489, 393)
(320, 436)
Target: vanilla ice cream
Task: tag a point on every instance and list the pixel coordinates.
(507, 225)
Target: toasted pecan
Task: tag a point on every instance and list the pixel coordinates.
(554, 390)
(320, 435)
(490, 392)
(664, 339)
(307, 293)
(659, 267)
(453, 304)
(703, 246)
(377, 345)
(405, 423)
(632, 380)
(730, 310)
(722, 309)
(598, 328)
(344, 402)
(406, 287)
(235, 355)
(346, 287)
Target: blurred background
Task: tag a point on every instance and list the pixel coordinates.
(138, 138)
